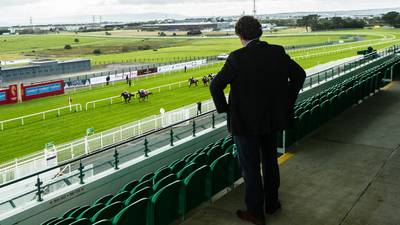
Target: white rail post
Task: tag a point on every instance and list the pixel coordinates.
(72, 151)
(44, 115)
(86, 145)
(101, 140)
(2, 126)
(22, 120)
(111, 101)
(120, 133)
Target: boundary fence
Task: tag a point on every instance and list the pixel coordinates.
(78, 107)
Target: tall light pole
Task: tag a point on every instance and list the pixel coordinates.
(254, 8)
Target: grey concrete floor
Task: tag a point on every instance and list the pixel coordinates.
(346, 173)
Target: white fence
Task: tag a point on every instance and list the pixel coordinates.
(78, 107)
(168, 87)
(36, 162)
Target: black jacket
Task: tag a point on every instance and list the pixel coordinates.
(264, 83)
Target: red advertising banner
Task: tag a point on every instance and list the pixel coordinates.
(10, 95)
(42, 90)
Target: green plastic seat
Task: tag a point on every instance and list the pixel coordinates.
(53, 222)
(164, 182)
(146, 192)
(90, 212)
(230, 149)
(227, 144)
(78, 211)
(191, 157)
(129, 186)
(178, 166)
(163, 172)
(108, 212)
(325, 111)
(187, 156)
(188, 169)
(82, 222)
(120, 197)
(315, 117)
(169, 203)
(198, 187)
(66, 221)
(146, 177)
(173, 163)
(221, 173)
(147, 183)
(103, 199)
(137, 213)
(69, 212)
(201, 159)
(103, 222)
(214, 153)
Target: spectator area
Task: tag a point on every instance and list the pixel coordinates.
(347, 172)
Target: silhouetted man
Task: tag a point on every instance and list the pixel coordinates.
(198, 108)
(265, 84)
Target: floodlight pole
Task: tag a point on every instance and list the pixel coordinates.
(254, 8)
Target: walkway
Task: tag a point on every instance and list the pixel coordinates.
(346, 173)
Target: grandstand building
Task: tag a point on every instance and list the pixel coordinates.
(44, 68)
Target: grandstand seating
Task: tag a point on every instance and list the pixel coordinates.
(166, 195)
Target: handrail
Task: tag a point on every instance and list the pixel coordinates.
(43, 113)
(104, 149)
(114, 146)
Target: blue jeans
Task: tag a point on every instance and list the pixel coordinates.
(260, 190)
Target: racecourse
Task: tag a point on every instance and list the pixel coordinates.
(17, 141)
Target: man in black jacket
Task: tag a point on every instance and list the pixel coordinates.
(264, 85)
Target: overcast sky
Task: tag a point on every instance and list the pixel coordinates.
(19, 11)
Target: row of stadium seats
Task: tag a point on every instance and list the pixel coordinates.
(316, 110)
(166, 195)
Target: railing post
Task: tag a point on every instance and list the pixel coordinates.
(171, 137)
(146, 147)
(194, 128)
(81, 174)
(116, 160)
(213, 121)
(39, 190)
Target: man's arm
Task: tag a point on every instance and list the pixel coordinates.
(297, 75)
(219, 83)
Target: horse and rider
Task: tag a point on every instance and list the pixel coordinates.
(193, 81)
(143, 94)
(127, 96)
(211, 76)
(205, 80)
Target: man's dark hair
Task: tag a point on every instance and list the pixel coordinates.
(248, 28)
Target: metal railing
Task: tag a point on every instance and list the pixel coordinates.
(78, 107)
(344, 68)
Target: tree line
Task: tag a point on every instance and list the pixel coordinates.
(316, 23)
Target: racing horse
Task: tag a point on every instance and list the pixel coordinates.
(193, 81)
(205, 80)
(211, 76)
(127, 96)
(143, 95)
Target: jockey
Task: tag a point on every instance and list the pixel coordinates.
(142, 91)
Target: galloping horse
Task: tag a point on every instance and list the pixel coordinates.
(193, 81)
(211, 76)
(127, 96)
(143, 94)
(205, 80)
